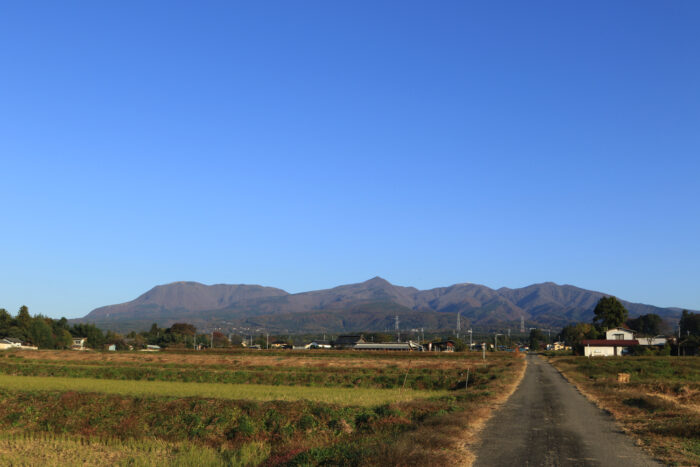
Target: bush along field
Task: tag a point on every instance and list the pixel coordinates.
(660, 405)
(341, 408)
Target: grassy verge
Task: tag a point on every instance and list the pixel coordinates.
(660, 405)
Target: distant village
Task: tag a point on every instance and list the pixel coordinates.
(607, 336)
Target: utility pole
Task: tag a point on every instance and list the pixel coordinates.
(396, 325)
(495, 346)
(522, 324)
(470, 339)
(458, 323)
(267, 343)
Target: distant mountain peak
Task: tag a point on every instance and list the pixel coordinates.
(376, 299)
(377, 281)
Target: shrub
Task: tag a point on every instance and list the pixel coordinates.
(307, 422)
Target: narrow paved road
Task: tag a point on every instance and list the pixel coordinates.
(547, 422)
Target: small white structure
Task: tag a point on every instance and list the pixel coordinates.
(615, 342)
(404, 346)
(79, 343)
(10, 343)
(652, 341)
(321, 344)
(558, 346)
(619, 334)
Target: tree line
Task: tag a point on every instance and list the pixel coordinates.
(44, 332)
(48, 333)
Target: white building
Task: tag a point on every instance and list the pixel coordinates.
(615, 342)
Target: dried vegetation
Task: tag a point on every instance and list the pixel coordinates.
(660, 406)
(75, 413)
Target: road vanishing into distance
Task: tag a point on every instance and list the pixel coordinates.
(547, 422)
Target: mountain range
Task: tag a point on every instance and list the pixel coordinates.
(367, 306)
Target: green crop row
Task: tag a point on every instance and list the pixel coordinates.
(345, 396)
(425, 379)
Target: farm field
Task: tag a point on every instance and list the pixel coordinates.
(258, 392)
(660, 406)
(246, 407)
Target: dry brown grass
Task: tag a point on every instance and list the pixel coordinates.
(242, 359)
(446, 436)
(665, 422)
(449, 439)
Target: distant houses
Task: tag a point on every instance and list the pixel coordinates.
(319, 344)
(558, 346)
(79, 343)
(10, 343)
(358, 342)
(348, 341)
(400, 346)
(280, 345)
(441, 346)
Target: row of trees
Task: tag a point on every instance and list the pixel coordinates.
(46, 333)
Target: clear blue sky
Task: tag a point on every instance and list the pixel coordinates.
(308, 144)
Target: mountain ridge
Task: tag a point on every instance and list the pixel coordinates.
(367, 305)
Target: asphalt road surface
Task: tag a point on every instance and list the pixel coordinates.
(547, 422)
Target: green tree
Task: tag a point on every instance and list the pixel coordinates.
(5, 322)
(460, 346)
(155, 335)
(537, 338)
(690, 323)
(63, 339)
(609, 313)
(184, 329)
(40, 334)
(220, 340)
(573, 334)
(690, 333)
(23, 318)
(649, 324)
(95, 337)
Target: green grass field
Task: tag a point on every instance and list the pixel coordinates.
(257, 392)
